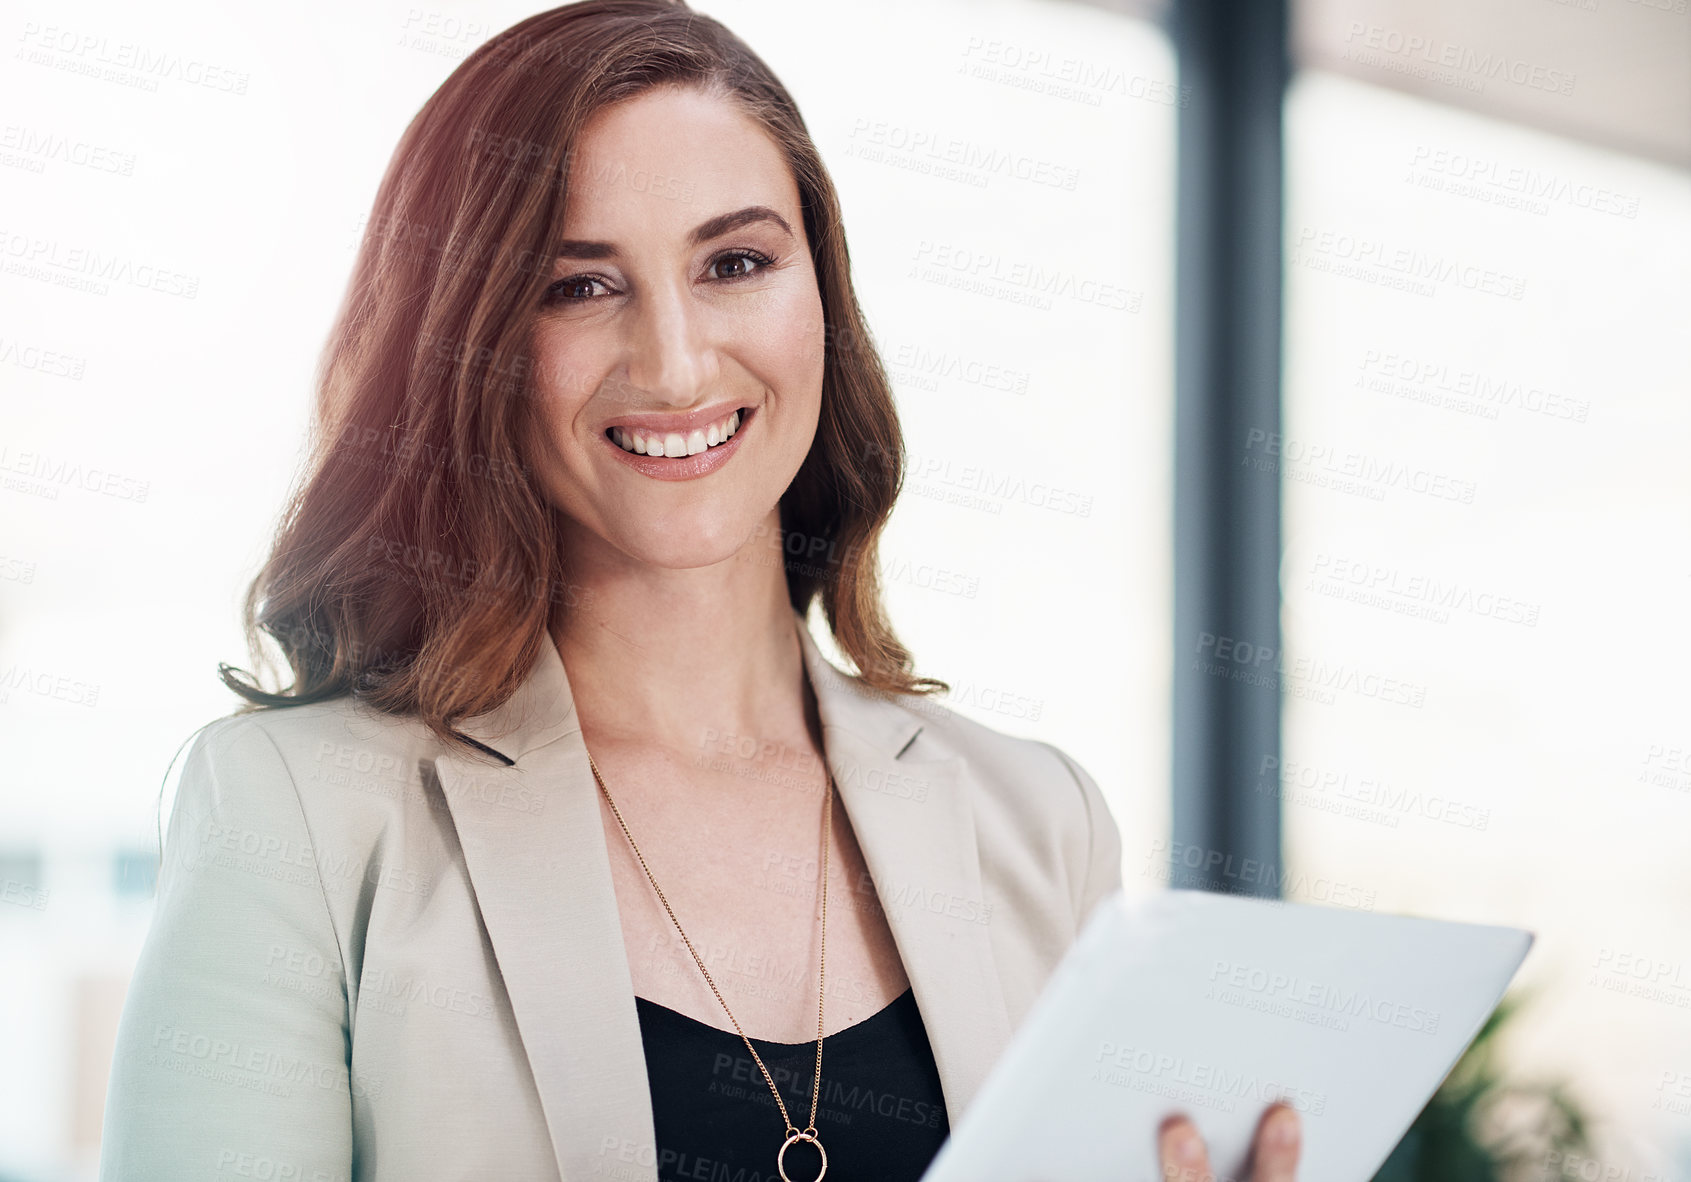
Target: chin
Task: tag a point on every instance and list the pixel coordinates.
(688, 541)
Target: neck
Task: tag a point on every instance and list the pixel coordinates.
(683, 657)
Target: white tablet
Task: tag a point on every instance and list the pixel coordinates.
(1216, 1005)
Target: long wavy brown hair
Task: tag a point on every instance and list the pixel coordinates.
(417, 565)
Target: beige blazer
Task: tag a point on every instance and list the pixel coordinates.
(372, 958)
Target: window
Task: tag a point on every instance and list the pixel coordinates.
(1486, 511)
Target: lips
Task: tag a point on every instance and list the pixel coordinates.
(654, 441)
(679, 446)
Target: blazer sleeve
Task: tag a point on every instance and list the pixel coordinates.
(233, 1046)
(1102, 871)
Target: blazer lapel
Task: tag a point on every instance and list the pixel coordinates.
(916, 825)
(535, 850)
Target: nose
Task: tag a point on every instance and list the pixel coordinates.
(669, 354)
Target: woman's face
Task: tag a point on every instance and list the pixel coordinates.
(684, 306)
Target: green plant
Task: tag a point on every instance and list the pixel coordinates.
(1481, 1127)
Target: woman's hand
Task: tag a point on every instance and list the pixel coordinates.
(1274, 1153)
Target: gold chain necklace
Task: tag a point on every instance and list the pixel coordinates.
(794, 1134)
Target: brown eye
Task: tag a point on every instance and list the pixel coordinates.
(576, 288)
(737, 264)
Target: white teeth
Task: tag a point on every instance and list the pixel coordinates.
(673, 443)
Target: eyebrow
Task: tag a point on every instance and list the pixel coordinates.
(703, 232)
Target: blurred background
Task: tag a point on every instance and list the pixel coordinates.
(1463, 409)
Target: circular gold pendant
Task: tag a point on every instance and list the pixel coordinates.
(781, 1158)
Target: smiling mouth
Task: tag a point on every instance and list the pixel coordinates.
(675, 444)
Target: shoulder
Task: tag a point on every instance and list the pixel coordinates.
(1049, 850)
(341, 733)
(312, 805)
(1027, 773)
(336, 764)
(1024, 790)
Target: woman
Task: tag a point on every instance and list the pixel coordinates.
(706, 907)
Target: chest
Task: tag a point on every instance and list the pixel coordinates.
(738, 854)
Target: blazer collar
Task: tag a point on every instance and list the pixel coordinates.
(534, 848)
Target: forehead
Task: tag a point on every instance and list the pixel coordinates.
(671, 158)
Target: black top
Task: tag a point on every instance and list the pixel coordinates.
(881, 1118)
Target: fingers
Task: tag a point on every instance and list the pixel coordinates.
(1274, 1155)
(1181, 1152)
